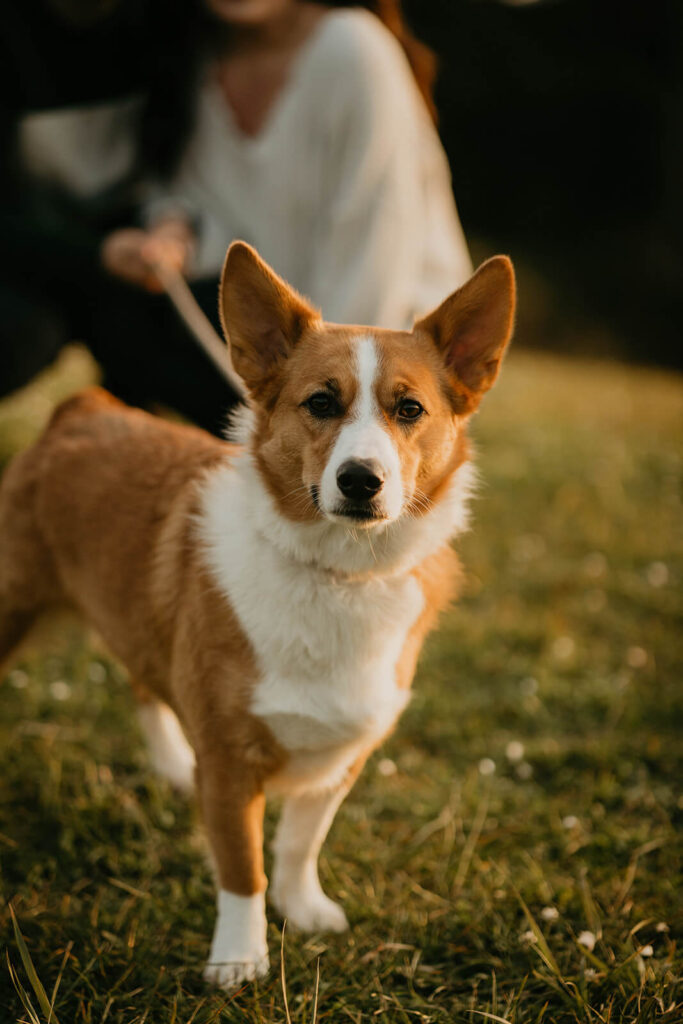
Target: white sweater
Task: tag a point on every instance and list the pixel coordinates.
(346, 189)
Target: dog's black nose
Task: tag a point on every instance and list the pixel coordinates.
(359, 479)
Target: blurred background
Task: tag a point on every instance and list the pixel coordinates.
(562, 122)
(528, 810)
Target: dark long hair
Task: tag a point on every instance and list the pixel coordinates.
(169, 111)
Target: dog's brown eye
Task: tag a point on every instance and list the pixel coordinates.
(409, 409)
(322, 404)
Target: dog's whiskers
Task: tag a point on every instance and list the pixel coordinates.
(296, 490)
(420, 502)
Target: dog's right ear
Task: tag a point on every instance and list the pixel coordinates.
(262, 317)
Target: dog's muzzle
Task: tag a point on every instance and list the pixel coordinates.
(360, 481)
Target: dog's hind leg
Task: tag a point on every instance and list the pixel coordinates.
(172, 756)
(27, 582)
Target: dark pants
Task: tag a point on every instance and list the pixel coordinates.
(146, 353)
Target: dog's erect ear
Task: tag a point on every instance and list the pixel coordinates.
(473, 326)
(262, 317)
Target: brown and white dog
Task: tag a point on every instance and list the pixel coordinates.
(271, 593)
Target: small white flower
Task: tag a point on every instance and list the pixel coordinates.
(647, 950)
(636, 657)
(60, 690)
(524, 771)
(550, 913)
(529, 686)
(587, 939)
(487, 766)
(570, 821)
(18, 679)
(563, 648)
(387, 767)
(528, 937)
(514, 751)
(662, 926)
(590, 974)
(657, 574)
(97, 673)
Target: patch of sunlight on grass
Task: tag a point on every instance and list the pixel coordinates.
(24, 414)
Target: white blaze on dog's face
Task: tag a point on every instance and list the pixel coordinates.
(361, 425)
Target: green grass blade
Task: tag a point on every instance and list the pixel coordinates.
(21, 992)
(492, 1016)
(36, 984)
(282, 972)
(317, 990)
(542, 946)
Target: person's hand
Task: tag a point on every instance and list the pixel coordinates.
(121, 255)
(132, 254)
(170, 244)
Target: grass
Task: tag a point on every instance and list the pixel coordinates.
(530, 795)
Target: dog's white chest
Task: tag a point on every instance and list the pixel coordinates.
(328, 655)
(329, 658)
(327, 652)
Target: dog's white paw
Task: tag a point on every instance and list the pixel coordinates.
(239, 948)
(231, 974)
(309, 910)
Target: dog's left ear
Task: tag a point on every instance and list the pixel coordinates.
(473, 326)
(262, 317)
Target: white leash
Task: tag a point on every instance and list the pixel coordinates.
(199, 325)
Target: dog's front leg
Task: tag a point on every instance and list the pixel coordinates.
(233, 803)
(295, 889)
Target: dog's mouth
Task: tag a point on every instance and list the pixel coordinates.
(360, 513)
(365, 512)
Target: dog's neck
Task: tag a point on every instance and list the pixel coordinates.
(339, 552)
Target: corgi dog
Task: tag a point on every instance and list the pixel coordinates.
(269, 594)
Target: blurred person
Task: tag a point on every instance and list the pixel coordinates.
(76, 139)
(309, 134)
